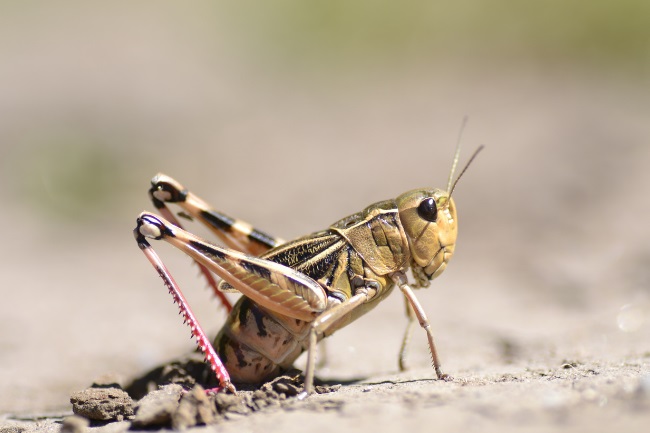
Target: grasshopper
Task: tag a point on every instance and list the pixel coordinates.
(295, 293)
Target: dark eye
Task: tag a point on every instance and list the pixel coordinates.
(428, 210)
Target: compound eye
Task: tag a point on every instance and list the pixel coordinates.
(428, 210)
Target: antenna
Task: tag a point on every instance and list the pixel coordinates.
(457, 154)
(464, 169)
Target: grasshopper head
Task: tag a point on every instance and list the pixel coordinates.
(431, 226)
(429, 220)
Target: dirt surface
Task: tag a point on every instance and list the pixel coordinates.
(542, 316)
(572, 382)
(608, 394)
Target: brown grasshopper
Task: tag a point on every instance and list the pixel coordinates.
(298, 292)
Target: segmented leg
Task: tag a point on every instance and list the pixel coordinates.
(410, 316)
(236, 234)
(188, 316)
(331, 316)
(319, 326)
(402, 283)
(271, 285)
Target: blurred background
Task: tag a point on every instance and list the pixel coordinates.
(291, 115)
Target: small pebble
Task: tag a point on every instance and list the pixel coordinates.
(195, 408)
(102, 404)
(157, 407)
(74, 424)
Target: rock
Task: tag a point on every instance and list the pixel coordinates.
(157, 407)
(74, 424)
(283, 386)
(326, 389)
(102, 404)
(195, 408)
(226, 402)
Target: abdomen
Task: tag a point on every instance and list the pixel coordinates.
(256, 345)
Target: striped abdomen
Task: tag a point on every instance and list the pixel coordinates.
(253, 344)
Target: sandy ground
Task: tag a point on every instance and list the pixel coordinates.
(541, 316)
(528, 349)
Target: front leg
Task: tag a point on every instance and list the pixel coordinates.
(400, 280)
(406, 338)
